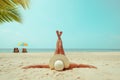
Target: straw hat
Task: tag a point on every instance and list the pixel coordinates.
(59, 62)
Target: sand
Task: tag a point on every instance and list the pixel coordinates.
(107, 63)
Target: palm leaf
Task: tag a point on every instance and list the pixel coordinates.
(23, 3)
(9, 10)
(6, 3)
(9, 14)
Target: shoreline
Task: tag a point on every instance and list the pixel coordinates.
(66, 50)
(69, 52)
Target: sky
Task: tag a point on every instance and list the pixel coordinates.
(86, 24)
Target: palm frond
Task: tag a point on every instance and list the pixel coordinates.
(9, 15)
(23, 3)
(9, 10)
(6, 3)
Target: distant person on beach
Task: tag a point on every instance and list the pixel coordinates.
(16, 50)
(59, 61)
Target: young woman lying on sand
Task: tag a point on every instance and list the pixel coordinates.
(59, 61)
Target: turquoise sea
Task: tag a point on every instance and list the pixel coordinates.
(66, 50)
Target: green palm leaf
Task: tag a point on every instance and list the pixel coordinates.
(9, 10)
(23, 3)
(9, 15)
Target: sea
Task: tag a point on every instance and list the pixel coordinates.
(66, 50)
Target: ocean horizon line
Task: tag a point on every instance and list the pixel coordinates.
(34, 50)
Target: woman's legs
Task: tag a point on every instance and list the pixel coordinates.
(59, 46)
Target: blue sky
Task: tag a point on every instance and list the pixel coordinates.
(86, 24)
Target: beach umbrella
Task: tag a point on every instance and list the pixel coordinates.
(24, 50)
(22, 44)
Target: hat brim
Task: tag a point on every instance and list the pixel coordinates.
(59, 57)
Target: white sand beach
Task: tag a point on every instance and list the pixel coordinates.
(107, 63)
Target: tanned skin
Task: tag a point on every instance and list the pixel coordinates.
(59, 46)
(60, 50)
